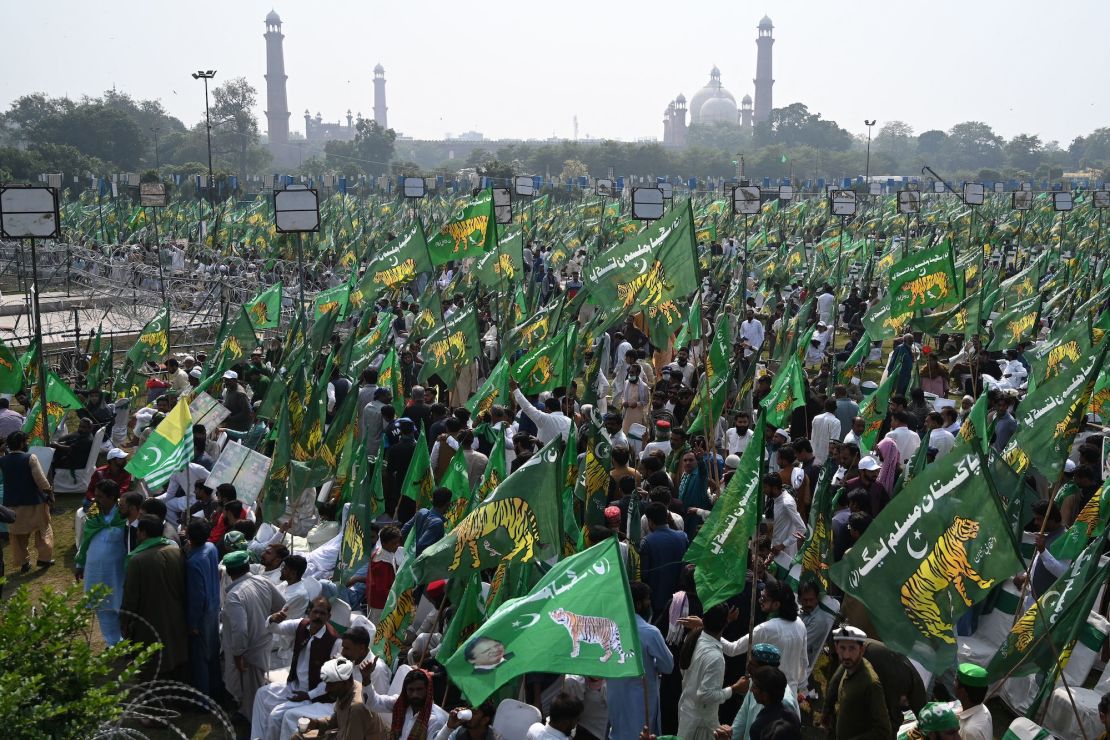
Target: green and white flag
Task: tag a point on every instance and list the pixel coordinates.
(577, 620)
(168, 449)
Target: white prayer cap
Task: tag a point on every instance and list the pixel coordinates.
(116, 454)
(732, 461)
(196, 373)
(782, 433)
(869, 463)
(850, 633)
(337, 670)
(1069, 466)
(231, 375)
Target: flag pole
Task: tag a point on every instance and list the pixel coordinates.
(647, 701)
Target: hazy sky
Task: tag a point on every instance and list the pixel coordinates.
(524, 69)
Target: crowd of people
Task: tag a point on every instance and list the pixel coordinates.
(249, 614)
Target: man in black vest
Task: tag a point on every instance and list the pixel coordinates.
(29, 494)
(315, 642)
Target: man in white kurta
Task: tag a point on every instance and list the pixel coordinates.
(702, 690)
(249, 602)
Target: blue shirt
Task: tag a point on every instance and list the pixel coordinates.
(430, 526)
(626, 695)
(202, 585)
(661, 564)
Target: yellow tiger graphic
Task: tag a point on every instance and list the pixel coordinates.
(668, 309)
(1024, 627)
(591, 630)
(946, 565)
(496, 583)
(542, 371)
(1016, 458)
(390, 632)
(513, 514)
(1090, 514)
(402, 273)
(504, 267)
(535, 331)
(653, 283)
(259, 313)
(457, 342)
(811, 558)
(328, 306)
(1018, 327)
(1066, 351)
(1099, 400)
(232, 347)
(920, 287)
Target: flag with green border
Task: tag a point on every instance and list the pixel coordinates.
(399, 609)
(815, 554)
(396, 265)
(499, 269)
(362, 490)
(495, 389)
(546, 630)
(1089, 523)
(95, 373)
(389, 376)
(419, 483)
(457, 480)
(548, 365)
(470, 612)
(858, 356)
(1016, 324)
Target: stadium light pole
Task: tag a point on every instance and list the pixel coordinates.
(207, 75)
(867, 166)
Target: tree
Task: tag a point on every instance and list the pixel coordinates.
(1024, 152)
(371, 151)
(895, 139)
(930, 144)
(235, 131)
(54, 683)
(794, 125)
(720, 136)
(572, 168)
(973, 145)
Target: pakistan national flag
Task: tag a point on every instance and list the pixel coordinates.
(450, 346)
(518, 521)
(721, 548)
(578, 619)
(923, 280)
(265, 310)
(468, 233)
(167, 450)
(657, 267)
(937, 548)
(1046, 632)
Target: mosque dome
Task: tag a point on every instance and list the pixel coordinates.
(712, 89)
(746, 100)
(379, 69)
(680, 99)
(766, 22)
(717, 110)
(273, 19)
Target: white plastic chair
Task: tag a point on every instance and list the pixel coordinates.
(1060, 718)
(1026, 729)
(514, 717)
(77, 481)
(978, 648)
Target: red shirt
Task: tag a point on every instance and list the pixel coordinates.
(123, 478)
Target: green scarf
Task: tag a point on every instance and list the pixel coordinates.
(146, 545)
(94, 525)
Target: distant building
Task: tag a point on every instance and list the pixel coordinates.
(714, 104)
(317, 131)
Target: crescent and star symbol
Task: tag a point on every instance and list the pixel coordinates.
(916, 554)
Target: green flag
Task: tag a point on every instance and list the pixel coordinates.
(60, 399)
(1046, 632)
(853, 364)
(1016, 324)
(93, 376)
(429, 314)
(499, 269)
(1089, 523)
(874, 410)
(923, 280)
(358, 490)
(389, 376)
(450, 346)
(396, 265)
(468, 233)
(721, 548)
(656, 267)
(168, 449)
(495, 389)
(418, 483)
(153, 344)
(547, 366)
(1050, 417)
(787, 393)
(1068, 345)
(399, 609)
(816, 553)
(332, 301)
(518, 521)
(237, 343)
(11, 372)
(469, 614)
(934, 551)
(456, 479)
(265, 309)
(578, 620)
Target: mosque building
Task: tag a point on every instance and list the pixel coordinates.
(714, 104)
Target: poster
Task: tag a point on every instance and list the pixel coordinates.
(208, 411)
(243, 468)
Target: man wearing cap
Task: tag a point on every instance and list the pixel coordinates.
(856, 707)
(762, 654)
(937, 721)
(315, 641)
(971, 690)
(248, 603)
(237, 403)
(868, 480)
(662, 441)
(351, 718)
(112, 470)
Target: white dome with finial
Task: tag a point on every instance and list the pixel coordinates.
(766, 22)
(712, 90)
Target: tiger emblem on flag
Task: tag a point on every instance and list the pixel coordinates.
(389, 634)
(669, 311)
(947, 565)
(1018, 327)
(812, 562)
(1066, 351)
(1023, 629)
(541, 372)
(920, 288)
(593, 631)
(513, 514)
(504, 267)
(328, 306)
(259, 313)
(402, 273)
(653, 284)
